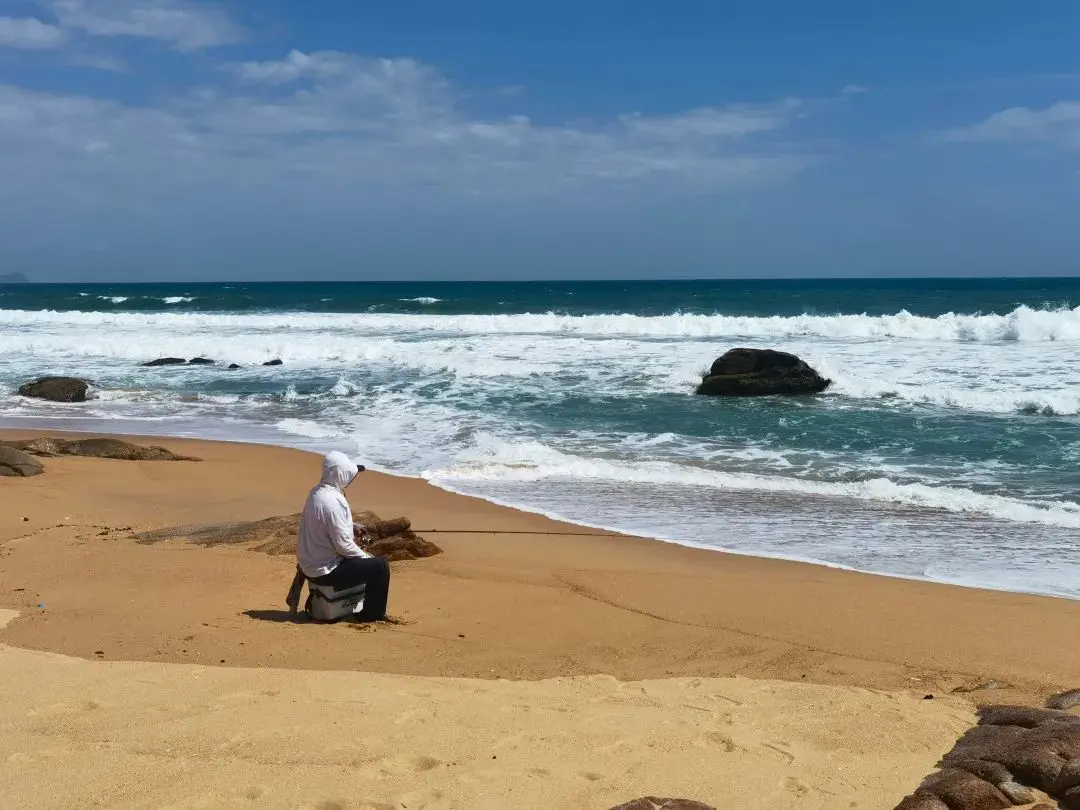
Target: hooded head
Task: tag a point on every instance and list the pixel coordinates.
(338, 470)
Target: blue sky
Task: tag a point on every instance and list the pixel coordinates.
(178, 139)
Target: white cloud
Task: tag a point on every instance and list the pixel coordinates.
(185, 24)
(854, 89)
(29, 34)
(298, 65)
(334, 128)
(1058, 123)
(97, 61)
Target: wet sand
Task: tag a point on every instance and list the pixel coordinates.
(184, 633)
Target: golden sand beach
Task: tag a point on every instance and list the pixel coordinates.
(544, 666)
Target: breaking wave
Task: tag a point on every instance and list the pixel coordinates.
(1023, 324)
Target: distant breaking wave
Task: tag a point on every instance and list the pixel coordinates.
(1022, 324)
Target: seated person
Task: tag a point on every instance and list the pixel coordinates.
(326, 547)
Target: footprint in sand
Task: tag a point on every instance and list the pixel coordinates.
(422, 764)
(714, 739)
(778, 748)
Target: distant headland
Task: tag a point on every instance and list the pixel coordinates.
(13, 278)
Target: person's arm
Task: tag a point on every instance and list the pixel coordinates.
(341, 532)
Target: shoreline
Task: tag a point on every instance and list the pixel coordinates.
(590, 668)
(314, 446)
(585, 603)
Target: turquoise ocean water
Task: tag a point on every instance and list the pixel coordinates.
(948, 447)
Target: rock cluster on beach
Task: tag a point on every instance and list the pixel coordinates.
(760, 372)
(92, 448)
(393, 540)
(56, 389)
(15, 463)
(1013, 751)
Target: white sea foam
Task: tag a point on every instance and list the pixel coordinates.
(423, 299)
(1021, 325)
(500, 406)
(531, 461)
(178, 299)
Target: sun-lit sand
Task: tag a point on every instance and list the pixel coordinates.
(524, 670)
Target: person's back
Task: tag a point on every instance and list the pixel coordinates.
(326, 548)
(326, 525)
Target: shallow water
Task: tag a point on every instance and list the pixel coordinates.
(946, 447)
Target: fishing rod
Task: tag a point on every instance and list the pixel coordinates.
(594, 533)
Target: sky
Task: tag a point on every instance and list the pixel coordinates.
(145, 140)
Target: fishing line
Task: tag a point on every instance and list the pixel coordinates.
(596, 533)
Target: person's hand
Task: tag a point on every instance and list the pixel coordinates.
(360, 534)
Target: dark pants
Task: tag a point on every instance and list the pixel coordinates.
(371, 572)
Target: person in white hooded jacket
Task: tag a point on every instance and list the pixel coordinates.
(326, 547)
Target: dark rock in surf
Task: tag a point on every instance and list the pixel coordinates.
(166, 361)
(17, 464)
(274, 363)
(201, 361)
(760, 372)
(56, 389)
(233, 366)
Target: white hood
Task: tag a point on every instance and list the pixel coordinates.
(338, 470)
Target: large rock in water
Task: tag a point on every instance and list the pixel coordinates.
(760, 372)
(93, 448)
(56, 389)
(166, 361)
(16, 463)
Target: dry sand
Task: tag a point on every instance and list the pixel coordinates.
(85, 734)
(197, 691)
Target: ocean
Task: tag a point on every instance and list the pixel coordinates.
(948, 447)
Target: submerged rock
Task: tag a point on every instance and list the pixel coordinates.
(56, 389)
(760, 372)
(17, 464)
(201, 361)
(274, 363)
(233, 366)
(166, 361)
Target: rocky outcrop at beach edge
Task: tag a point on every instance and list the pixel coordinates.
(17, 464)
(760, 372)
(56, 389)
(393, 540)
(92, 448)
(1011, 753)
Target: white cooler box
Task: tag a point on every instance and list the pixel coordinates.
(324, 604)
